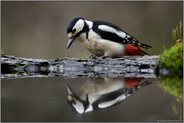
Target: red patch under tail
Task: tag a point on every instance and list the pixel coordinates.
(134, 50)
(132, 82)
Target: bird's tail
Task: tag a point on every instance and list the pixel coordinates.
(144, 45)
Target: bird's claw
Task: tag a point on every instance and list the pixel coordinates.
(96, 57)
(93, 57)
(104, 57)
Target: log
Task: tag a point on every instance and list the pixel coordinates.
(128, 66)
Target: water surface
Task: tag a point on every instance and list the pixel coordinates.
(45, 99)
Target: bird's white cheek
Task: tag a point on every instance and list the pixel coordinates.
(79, 107)
(79, 25)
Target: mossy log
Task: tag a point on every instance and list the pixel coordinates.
(128, 66)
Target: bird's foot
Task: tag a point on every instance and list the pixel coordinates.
(93, 57)
(104, 57)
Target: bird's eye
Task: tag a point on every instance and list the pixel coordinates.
(73, 30)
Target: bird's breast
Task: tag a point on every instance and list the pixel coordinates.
(92, 44)
(96, 90)
(98, 46)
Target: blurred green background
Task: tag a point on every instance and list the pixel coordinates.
(38, 29)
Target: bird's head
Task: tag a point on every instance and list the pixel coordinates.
(74, 29)
(75, 102)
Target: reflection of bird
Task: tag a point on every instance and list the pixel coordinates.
(96, 95)
(103, 38)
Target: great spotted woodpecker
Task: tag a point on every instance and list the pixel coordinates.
(100, 94)
(103, 38)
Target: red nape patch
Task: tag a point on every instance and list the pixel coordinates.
(133, 50)
(132, 82)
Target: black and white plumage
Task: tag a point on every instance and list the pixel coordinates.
(102, 38)
(96, 95)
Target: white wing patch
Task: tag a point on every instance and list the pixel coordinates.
(112, 30)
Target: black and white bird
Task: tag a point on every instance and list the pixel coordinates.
(103, 38)
(95, 95)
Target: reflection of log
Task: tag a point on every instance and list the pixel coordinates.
(129, 66)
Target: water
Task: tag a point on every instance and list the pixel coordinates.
(45, 99)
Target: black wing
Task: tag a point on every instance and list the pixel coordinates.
(128, 39)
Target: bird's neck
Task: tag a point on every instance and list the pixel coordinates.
(89, 24)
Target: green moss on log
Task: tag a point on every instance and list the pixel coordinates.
(173, 85)
(173, 58)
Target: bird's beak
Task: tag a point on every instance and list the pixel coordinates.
(71, 39)
(70, 92)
